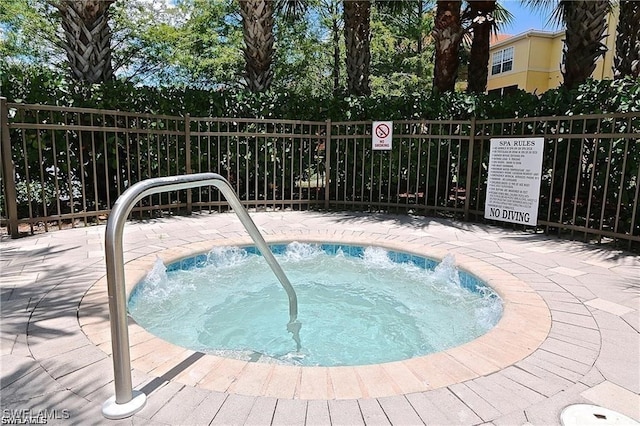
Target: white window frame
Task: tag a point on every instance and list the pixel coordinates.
(502, 60)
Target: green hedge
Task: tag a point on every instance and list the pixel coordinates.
(36, 84)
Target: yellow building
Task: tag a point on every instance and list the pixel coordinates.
(531, 61)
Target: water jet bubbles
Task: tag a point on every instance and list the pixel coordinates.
(296, 251)
(158, 273)
(378, 258)
(224, 257)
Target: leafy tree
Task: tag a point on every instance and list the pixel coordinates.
(26, 30)
(128, 35)
(401, 34)
(204, 49)
(627, 60)
(302, 62)
(400, 47)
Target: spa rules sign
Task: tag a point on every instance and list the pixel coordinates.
(513, 188)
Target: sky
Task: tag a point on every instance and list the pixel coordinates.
(525, 19)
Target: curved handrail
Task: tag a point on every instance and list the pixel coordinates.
(117, 407)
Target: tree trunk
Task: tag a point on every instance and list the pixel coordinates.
(257, 26)
(87, 39)
(586, 22)
(447, 34)
(627, 60)
(335, 30)
(357, 37)
(482, 13)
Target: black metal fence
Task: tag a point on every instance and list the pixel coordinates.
(67, 166)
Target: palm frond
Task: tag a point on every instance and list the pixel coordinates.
(292, 10)
(554, 9)
(502, 17)
(394, 7)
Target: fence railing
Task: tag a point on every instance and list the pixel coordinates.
(70, 165)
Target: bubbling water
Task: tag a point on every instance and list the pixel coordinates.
(356, 305)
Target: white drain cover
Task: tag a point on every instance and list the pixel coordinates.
(592, 415)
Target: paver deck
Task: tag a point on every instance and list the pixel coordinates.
(570, 333)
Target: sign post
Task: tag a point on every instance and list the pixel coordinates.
(382, 135)
(513, 187)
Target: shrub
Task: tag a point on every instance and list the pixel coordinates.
(37, 84)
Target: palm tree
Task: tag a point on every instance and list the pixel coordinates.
(447, 35)
(87, 38)
(257, 29)
(257, 26)
(585, 25)
(482, 22)
(586, 22)
(485, 18)
(357, 38)
(627, 60)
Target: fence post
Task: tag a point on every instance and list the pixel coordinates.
(187, 139)
(467, 195)
(8, 171)
(327, 163)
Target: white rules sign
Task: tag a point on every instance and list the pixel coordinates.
(513, 187)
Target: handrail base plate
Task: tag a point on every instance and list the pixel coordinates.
(114, 411)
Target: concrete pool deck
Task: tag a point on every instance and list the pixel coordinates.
(570, 332)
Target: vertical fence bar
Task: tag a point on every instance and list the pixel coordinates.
(27, 176)
(70, 185)
(398, 173)
(621, 187)
(552, 182)
(187, 159)
(41, 168)
(606, 189)
(438, 161)
(634, 210)
(576, 193)
(54, 161)
(447, 171)
(427, 177)
(116, 148)
(94, 156)
(467, 192)
(105, 153)
(8, 171)
(83, 187)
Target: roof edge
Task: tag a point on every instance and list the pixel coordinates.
(527, 34)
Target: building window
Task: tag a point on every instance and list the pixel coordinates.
(502, 91)
(502, 61)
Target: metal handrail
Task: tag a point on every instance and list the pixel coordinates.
(126, 401)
